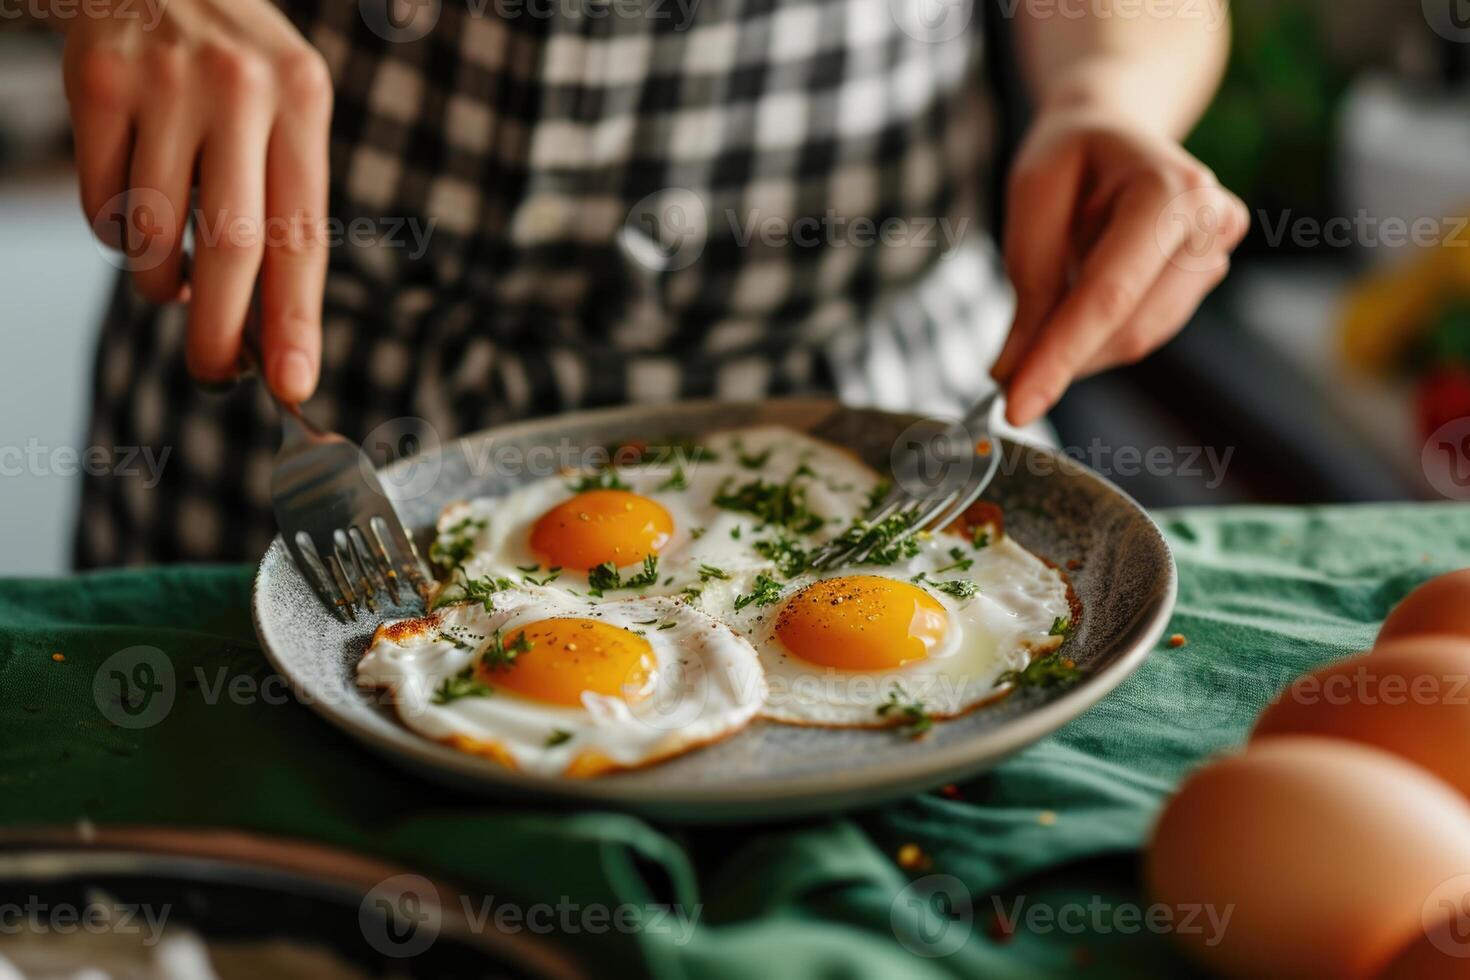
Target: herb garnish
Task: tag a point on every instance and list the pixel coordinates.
(1061, 626)
(606, 577)
(778, 504)
(676, 481)
(707, 572)
(979, 538)
(605, 479)
(754, 461)
(480, 590)
(461, 685)
(455, 551)
(789, 557)
(1051, 670)
(959, 588)
(500, 655)
(767, 591)
(918, 718)
(552, 574)
(558, 736)
(885, 538)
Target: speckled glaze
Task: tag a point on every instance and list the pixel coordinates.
(1054, 506)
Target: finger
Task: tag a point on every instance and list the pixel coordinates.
(1039, 218)
(227, 236)
(295, 267)
(1174, 298)
(1134, 249)
(158, 190)
(99, 91)
(1162, 312)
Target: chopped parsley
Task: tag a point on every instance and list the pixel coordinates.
(676, 481)
(606, 577)
(735, 533)
(605, 479)
(480, 590)
(667, 626)
(888, 539)
(754, 461)
(960, 562)
(776, 504)
(461, 685)
(500, 655)
(1051, 670)
(979, 538)
(695, 533)
(876, 495)
(454, 545)
(959, 588)
(767, 591)
(789, 557)
(917, 719)
(559, 736)
(707, 572)
(552, 574)
(1061, 626)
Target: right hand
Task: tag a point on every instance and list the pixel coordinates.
(228, 94)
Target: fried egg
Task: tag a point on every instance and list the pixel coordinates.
(928, 636)
(681, 523)
(545, 683)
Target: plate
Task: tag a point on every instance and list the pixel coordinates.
(1117, 560)
(255, 903)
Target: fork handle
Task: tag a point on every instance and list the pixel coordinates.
(295, 427)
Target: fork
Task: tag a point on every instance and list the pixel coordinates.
(329, 502)
(968, 443)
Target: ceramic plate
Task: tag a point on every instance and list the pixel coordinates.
(1121, 568)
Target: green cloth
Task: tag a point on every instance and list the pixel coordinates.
(1264, 594)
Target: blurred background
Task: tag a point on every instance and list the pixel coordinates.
(1327, 369)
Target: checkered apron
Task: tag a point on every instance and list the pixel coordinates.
(545, 205)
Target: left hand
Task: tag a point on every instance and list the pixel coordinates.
(1114, 235)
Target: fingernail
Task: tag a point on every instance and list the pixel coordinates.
(293, 375)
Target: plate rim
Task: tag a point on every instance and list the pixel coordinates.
(794, 794)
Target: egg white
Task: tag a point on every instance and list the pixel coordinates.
(706, 683)
(999, 628)
(710, 550)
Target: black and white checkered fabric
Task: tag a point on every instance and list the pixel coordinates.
(553, 204)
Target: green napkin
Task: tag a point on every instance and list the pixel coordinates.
(1027, 871)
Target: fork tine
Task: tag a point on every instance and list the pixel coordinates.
(353, 568)
(303, 549)
(409, 562)
(374, 562)
(344, 586)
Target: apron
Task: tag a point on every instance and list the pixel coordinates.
(545, 205)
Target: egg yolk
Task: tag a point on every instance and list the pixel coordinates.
(601, 526)
(861, 622)
(570, 656)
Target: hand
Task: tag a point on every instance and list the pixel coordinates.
(226, 93)
(1114, 236)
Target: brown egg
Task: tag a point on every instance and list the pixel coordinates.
(1441, 605)
(1410, 696)
(1440, 952)
(1316, 854)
